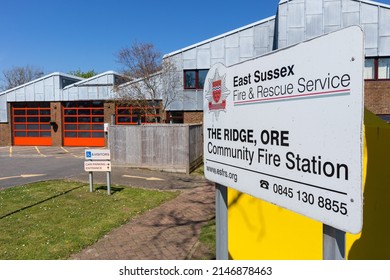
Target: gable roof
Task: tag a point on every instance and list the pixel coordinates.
(41, 79)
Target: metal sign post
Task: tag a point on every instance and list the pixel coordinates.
(98, 161)
(221, 222)
(90, 181)
(333, 243)
(108, 182)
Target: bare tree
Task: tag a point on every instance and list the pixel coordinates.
(17, 76)
(152, 81)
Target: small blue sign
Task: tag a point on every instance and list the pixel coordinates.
(88, 154)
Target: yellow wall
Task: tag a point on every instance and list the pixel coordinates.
(260, 230)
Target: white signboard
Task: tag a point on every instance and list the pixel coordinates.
(287, 128)
(91, 166)
(97, 154)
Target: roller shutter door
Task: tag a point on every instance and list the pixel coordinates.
(31, 124)
(83, 123)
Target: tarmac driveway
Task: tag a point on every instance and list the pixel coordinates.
(21, 165)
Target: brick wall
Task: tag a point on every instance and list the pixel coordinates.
(5, 134)
(5, 130)
(56, 128)
(377, 96)
(109, 110)
(193, 117)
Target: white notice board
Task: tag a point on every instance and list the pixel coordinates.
(287, 127)
(97, 154)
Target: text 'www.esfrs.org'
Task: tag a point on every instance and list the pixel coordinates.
(222, 172)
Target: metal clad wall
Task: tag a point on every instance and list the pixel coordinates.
(77, 95)
(350, 18)
(229, 49)
(300, 20)
(384, 32)
(49, 88)
(10, 96)
(349, 6)
(20, 94)
(189, 59)
(3, 108)
(314, 7)
(104, 93)
(92, 93)
(296, 18)
(384, 19)
(50, 92)
(314, 25)
(28, 92)
(295, 22)
(246, 43)
(217, 51)
(369, 22)
(232, 51)
(332, 15)
(203, 57)
(263, 38)
(369, 14)
(99, 88)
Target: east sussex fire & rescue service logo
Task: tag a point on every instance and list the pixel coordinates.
(217, 94)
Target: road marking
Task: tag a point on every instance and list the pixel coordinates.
(145, 178)
(72, 154)
(22, 176)
(39, 152)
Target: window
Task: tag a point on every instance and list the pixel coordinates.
(384, 68)
(128, 114)
(175, 117)
(377, 68)
(194, 79)
(66, 82)
(369, 68)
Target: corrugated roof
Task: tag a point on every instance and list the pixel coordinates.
(42, 78)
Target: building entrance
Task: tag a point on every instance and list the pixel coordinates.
(83, 123)
(31, 124)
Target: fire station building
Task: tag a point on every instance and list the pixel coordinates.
(61, 109)
(57, 109)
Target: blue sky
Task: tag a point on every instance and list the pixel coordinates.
(67, 35)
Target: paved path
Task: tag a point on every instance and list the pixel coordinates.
(168, 232)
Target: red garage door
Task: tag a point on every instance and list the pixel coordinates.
(83, 123)
(31, 124)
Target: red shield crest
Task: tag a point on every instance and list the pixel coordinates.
(217, 91)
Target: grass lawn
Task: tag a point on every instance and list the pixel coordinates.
(53, 219)
(207, 238)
